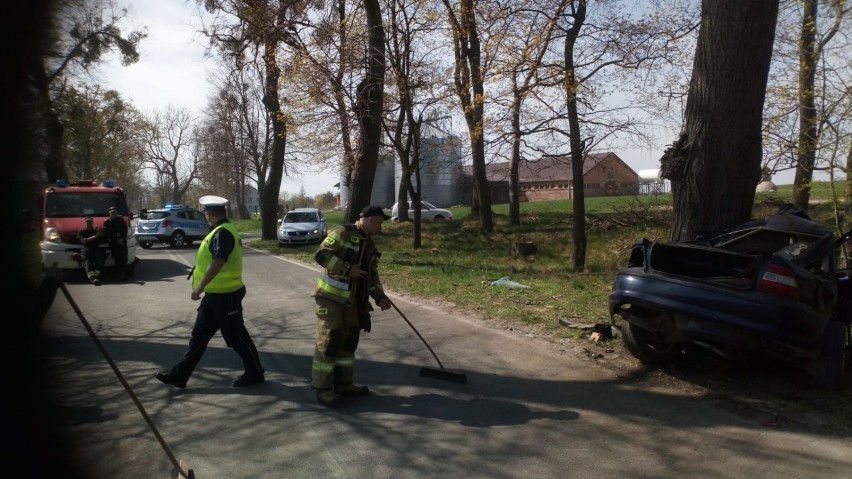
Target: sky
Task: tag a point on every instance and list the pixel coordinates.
(172, 71)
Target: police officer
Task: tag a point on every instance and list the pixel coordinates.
(92, 238)
(116, 234)
(342, 295)
(218, 275)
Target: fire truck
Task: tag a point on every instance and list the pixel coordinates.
(63, 208)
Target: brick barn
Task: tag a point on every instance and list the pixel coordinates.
(551, 178)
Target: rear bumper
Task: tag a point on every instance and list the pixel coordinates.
(744, 319)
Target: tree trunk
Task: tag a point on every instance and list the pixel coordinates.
(578, 233)
(714, 166)
(368, 109)
(271, 100)
(806, 152)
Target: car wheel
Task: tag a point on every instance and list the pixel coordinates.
(178, 239)
(438, 218)
(146, 244)
(829, 366)
(649, 347)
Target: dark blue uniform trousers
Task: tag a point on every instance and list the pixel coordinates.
(220, 311)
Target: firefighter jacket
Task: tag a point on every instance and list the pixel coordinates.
(343, 248)
(230, 277)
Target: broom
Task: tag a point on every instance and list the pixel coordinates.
(454, 376)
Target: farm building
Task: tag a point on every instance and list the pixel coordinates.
(551, 178)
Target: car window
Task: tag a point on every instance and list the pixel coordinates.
(158, 215)
(182, 215)
(301, 217)
(198, 216)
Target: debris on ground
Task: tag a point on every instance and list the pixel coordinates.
(507, 282)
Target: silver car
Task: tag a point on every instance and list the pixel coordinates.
(176, 225)
(302, 225)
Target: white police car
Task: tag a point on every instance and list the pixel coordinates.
(176, 225)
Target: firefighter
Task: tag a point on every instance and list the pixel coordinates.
(92, 237)
(342, 295)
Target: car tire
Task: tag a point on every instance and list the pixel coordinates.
(828, 368)
(178, 239)
(438, 218)
(645, 347)
(146, 244)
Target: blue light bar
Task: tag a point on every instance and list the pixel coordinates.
(60, 183)
(108, 183)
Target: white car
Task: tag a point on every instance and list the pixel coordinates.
(428, 212)
(302, 225)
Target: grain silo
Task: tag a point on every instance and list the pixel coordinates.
(384, 186)
(440, 168)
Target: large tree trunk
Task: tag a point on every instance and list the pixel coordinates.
(578, 153)
(806, 153)
(271, 100)
(369, 112)
(470, 90)
(714, 166)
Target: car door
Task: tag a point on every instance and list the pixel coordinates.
(200, 226)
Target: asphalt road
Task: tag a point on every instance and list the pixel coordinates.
(528, 410)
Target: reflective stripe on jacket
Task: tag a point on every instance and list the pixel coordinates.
(230, 277)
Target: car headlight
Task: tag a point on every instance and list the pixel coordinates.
(52, 234)
(314, 231)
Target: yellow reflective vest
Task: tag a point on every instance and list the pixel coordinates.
(230, 277)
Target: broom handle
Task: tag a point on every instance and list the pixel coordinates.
(417, 333)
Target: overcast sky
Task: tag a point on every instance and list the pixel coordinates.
(172, 70)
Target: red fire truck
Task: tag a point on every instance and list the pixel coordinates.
(63, 209)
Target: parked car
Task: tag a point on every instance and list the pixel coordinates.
(302, 225)
(428, 212)
(176, 225)
(776, 288)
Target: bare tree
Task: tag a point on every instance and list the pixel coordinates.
(715, 164)
(414, 92)
(469, 86)
(259, 30)
(173, 151)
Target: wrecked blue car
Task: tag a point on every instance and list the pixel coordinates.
(778, 287)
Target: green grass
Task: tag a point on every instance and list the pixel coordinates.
(457, 263)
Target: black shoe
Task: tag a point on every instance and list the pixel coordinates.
(170, 378)
(328, 398)
(96, 281)
(244, 381)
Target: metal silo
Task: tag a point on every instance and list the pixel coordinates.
(440, 168)
(384, 186)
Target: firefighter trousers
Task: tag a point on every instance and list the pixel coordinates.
(338, 332)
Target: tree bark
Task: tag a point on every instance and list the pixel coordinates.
(368, 109)
(806, 152)
(714, 166)
(578, 153)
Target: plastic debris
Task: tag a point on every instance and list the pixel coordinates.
(507, 282)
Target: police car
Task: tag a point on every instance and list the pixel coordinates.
(175, 225)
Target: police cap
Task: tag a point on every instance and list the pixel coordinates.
(213, 204)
